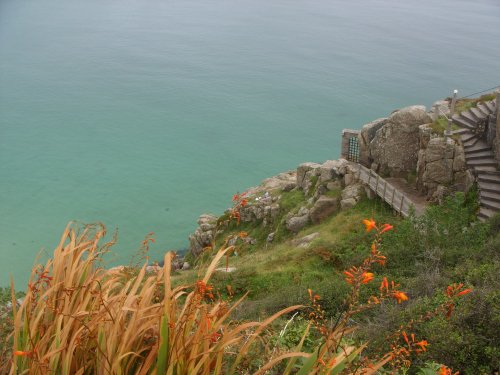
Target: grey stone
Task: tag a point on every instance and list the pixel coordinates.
(334, 185)
(348, 203)
(296, 223)
(439, 171)
(348, 179)
(323, 207)
(459, 160)
(464, 180)
(270, 237)
(327, 170)
(302, 173)
(365, 136)
(424, 134)
(396, 144)
(306, 240)
(303, 211)
(354, 191)
(186, 266)
(207, 219)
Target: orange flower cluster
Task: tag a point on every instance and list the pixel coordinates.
(239, 201)
(317, 315)
(356, 275)
(370, 224)
(387, 288)
(443, 370)
(453, 291)
(204, 289)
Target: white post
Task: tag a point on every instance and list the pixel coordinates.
(447, 133)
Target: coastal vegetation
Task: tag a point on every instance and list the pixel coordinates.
(422, 299)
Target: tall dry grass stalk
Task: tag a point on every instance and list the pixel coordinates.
(79, 318)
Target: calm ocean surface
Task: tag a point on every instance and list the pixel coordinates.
(145, 114)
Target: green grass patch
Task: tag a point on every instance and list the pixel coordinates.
(466, 104)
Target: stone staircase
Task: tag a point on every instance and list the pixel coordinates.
(479, 156)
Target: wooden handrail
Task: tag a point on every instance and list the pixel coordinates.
(365, 175)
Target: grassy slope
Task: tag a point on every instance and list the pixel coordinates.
(444, 250)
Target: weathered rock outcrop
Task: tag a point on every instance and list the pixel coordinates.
(394, 149)
(441, 169)
(204, 234)
(365, 137)
(323, 207)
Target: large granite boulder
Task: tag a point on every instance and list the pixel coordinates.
(441, 169)
(394, 149)
(323, 207)
(296, 223)
(305, 174)
(351, 195)
(365, 136)
(203, 235)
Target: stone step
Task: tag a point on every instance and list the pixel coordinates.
(495, 206)
(488, 186)
(494, 172)
(465, 137)
(490, 196)
(479, 146)
(482, 162)
(464, 122)
(471, 142)
(469, 117)
(491, 106)
(485, 169)
(476, 112)
(485, 213)
(484, 108)
(479, 155)
(461, 131)
(485, 177)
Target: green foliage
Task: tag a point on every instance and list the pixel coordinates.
(291, 334)
(314, 181)
(465, 104)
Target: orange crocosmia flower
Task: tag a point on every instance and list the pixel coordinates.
(384, 285)
(385, 228)
(422, 344)
(369, 224)
(374, 248)
(244, 202)
(235, 197)
(405, 337)
(367, 277)
(310, 293)
(243, 234)
(443, 370)
(400, 296)
(463, 292)
(21, 353)
(349, 277)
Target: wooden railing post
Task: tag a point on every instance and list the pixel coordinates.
(376, 185)
(401, 206)
(385, 187)
(393, 194)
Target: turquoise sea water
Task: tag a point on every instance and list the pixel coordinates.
(143, 114)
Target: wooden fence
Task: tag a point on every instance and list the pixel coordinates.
(396, 199)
